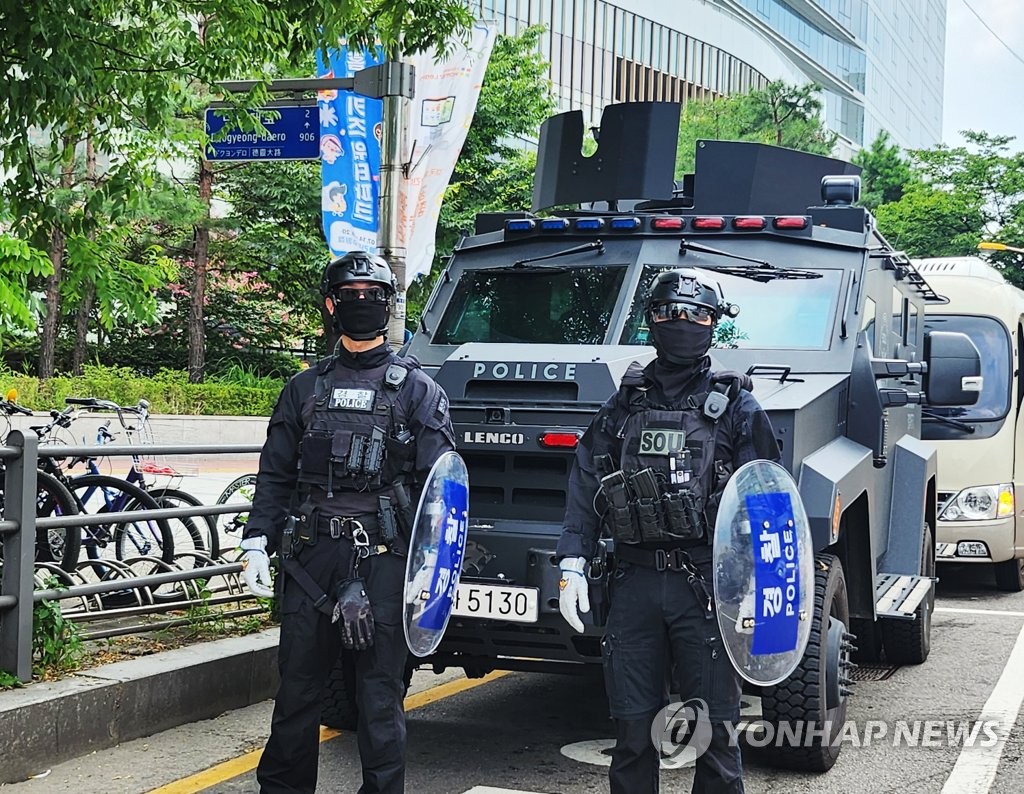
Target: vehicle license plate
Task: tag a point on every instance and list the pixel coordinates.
(496, 602)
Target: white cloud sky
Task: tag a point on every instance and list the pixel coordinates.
(984, 82)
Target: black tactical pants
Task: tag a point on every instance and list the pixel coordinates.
(309, 648)
(656, 620)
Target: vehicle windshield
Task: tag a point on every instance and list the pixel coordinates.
(784, 314)
(992, 340)
(546, 304)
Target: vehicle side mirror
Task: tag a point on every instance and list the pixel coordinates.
(954, 369)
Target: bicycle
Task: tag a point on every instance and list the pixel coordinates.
(189, 537)
(59, 545)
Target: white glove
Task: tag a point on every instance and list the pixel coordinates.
(256, 566)
(572, 591)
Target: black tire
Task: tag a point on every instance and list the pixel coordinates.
(339, 707)
(802, 699)
(130, 539)
(910, 641)
(195, 533)
(1010, 575)
(60, 545)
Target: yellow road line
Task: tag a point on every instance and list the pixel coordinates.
(248, 762)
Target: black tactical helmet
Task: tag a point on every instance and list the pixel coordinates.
(691, 288)
(358, 266)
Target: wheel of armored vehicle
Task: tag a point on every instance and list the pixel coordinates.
(1010, 575)
(339, 707)
(910, 641)
(814, 697)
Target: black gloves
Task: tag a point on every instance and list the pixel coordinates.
(737, 381)
(354, 613)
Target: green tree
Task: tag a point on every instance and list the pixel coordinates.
(118, 73)
(779, 114)
(886, 174)
(958, 196)
(930, 221)
(494, 172)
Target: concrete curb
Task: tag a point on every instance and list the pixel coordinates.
(46, 723)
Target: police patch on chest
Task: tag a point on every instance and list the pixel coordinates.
(658, 441)
(352, 399)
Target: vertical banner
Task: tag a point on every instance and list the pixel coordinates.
(437, 121)
(350, 130)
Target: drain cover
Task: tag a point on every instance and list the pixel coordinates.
(872, 672)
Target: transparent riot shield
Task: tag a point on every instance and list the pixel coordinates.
(436, 549)
(764, 572)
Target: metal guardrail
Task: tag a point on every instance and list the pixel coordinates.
(19, 526)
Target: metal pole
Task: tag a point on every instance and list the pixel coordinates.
(19, 557)
(391, 149)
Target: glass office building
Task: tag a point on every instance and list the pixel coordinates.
(879, 62)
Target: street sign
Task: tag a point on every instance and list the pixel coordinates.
(294, 134)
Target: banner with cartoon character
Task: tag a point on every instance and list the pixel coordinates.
(438, 119)
(350, 129)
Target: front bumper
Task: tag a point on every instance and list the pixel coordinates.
(997, 535)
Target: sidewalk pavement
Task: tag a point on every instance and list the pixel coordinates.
(45, 723)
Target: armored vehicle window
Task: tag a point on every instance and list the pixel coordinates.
(784, 314)
(566, 305)
(992, 339)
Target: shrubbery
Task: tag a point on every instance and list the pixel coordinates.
(236, 393)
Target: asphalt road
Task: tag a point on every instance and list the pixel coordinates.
(523, 732)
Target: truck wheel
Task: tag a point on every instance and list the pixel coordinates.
(910, 641)
(1010, 575)
(339, 707)
(814, 696)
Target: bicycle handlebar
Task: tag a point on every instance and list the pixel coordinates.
(11, 408)
(140, 410)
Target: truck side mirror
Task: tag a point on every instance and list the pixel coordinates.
(954, 369)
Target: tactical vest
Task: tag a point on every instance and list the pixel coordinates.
(667, 477)
(357, 444)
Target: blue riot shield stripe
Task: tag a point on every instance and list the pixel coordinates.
(776, 573)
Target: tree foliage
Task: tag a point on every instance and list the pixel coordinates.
(122, 79)
(779, 114)
(886, 173)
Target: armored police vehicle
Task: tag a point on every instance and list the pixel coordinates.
(537, 316)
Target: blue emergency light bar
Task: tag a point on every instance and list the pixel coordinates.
(625, 224)
(589, 224)
(554, 224)
(520, 225)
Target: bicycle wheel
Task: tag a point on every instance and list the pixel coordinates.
(101, 493)
(61, 545)
(193, 533)
(241, 489)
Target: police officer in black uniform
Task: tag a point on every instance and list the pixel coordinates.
(347, 444)
(649, 473)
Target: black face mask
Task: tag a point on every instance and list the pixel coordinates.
(362, 319)
(681, 341)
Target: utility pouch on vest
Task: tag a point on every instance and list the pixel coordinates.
(683, 519)
(357, 454)
(315, 455)
(305, 523)
(374, 459)
(618, 515)
(648, 514)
